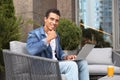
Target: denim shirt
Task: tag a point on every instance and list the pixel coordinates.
(38, 46)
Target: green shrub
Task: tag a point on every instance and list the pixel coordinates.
(70, 34)
(9, 27)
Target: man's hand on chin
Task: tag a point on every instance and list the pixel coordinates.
(51, 35)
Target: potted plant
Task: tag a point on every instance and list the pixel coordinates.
(70, 34)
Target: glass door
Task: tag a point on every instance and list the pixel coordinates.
(95, 18)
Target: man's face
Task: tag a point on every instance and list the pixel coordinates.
(51, 22)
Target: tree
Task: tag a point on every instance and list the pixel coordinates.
(100, 29)
(82, 24)
(98, 39)
(9, 27)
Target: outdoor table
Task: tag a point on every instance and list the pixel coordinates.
(115, 77)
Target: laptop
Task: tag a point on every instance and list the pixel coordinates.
(83, 53)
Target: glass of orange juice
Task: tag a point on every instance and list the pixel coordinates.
(110, 71)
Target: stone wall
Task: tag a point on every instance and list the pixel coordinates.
(35, 10)
(67, 8)
(24, 9)
(39, 9)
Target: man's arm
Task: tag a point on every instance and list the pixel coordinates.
(34, 44)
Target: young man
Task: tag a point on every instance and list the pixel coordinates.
(45, 42)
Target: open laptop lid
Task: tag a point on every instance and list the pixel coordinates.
(83, 53)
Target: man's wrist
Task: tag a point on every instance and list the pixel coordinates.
(48, 39)
(65, 57)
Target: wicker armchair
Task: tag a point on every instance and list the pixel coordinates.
(19, 65)
(27, 67)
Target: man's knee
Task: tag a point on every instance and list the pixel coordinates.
(82, 63)
(72, 64)
(72, 68)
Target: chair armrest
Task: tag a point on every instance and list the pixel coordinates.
(37, 68)
(116, 58)
(118, 51)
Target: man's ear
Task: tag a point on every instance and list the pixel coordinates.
(45, 18)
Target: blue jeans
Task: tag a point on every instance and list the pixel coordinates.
(74, 70)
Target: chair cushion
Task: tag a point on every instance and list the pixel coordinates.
(19, 47)
(101, 69)
(100, 56)
(20, 63)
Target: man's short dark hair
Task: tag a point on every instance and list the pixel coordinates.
(54, 10)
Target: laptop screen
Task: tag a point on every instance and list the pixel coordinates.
(83, 53)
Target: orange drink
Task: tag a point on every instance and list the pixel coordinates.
(110, 70)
